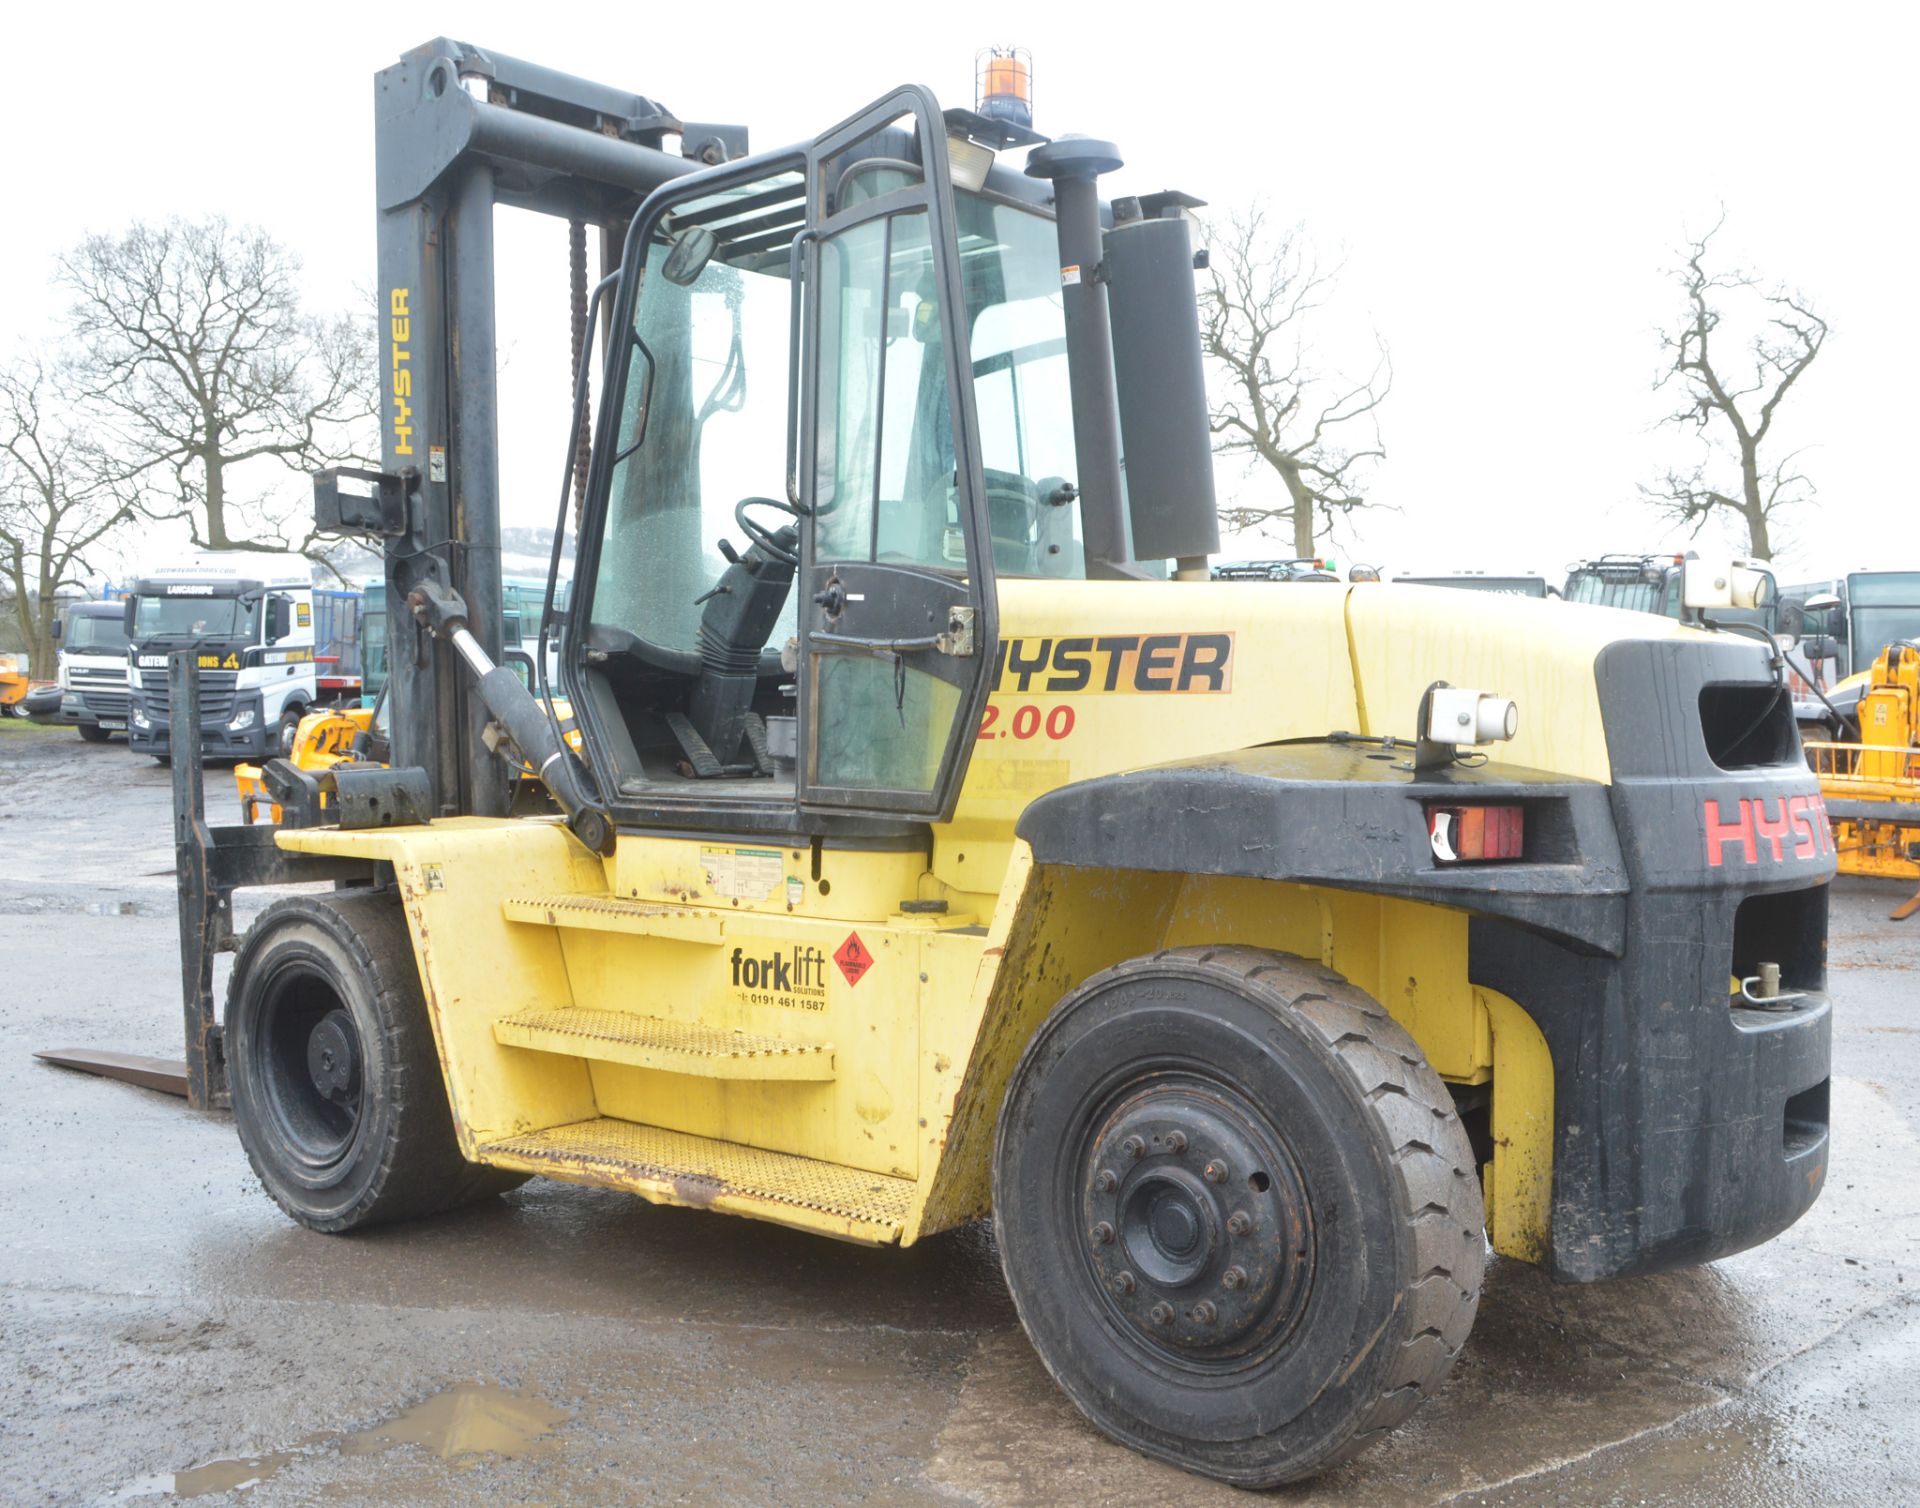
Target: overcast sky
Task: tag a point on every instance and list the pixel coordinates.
(1504, 185)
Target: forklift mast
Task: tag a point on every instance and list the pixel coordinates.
(459, 131)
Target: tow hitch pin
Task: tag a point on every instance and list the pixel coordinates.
(1769, 996)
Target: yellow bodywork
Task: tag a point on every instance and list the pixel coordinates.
(1883, 768)
(14, 684)
(822, 1036)
(323, 739)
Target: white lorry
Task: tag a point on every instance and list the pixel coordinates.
(248, 618)
(93, 668)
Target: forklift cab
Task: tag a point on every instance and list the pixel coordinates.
(838, 404)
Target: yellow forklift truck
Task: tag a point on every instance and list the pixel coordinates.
(946, 845)
(1871, 783)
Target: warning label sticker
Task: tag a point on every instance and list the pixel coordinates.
(853, 958)
(742, 874)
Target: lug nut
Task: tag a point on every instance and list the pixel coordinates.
(1122, 1283)
(1234, 1277)
(1102, 1234)
(1216, 1171)
(1204, 1313)
(1161, 1314)
(1105, 1182)
(1134, 1148)
(1239, 1222)
(1176, 1142)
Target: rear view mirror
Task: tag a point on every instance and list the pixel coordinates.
(126, 619)
(277, 616)
(58, 630)
(688, 256)
(1820, 602)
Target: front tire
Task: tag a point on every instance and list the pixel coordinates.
(93, 733)
(336, 1084)
(1239, 1217)
(286, 735)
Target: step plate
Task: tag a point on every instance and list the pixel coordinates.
(672, 1167)
(673, 1046)
(606, 913)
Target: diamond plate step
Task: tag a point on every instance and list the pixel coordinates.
(673, 1167)
(607, 913)
(705, 1052)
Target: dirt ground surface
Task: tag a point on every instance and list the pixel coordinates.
(167, 1331)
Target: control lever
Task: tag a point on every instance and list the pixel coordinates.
(443, 612)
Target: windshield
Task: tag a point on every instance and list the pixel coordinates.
(1010, 258)
(373, 644)
(1884, 607)
(703, 420)
(97, 633)
(196, 617)
(1635, 593)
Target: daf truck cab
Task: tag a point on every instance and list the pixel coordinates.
(93, 668)
(248, 618)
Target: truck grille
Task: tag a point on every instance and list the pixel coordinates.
(217, 689)
(102, 689)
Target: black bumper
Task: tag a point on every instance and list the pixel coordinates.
(1685, 1128)
(217, 741)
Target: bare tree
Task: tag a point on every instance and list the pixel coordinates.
(60, 495)
(1733, 413)
(193, 341)
(1319, 434)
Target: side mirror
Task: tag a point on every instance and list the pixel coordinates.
(688, 256)
(277, 619)
(127, 618)
(1820, 602)
(58, 630)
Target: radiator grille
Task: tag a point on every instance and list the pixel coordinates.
(217, 691)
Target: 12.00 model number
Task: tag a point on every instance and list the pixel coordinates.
(1028, 721)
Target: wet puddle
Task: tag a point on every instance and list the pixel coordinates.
(470, 1418)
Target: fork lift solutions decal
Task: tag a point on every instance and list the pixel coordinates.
(792, 976)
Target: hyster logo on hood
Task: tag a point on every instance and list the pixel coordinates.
(1773, 828)
(1116, 663)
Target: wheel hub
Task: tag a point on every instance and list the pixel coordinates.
(333, 1059)
(1197, 1221)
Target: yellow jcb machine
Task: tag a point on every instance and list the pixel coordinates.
(945, 845)
(1872, 783)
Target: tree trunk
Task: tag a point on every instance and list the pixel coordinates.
(1303, 519)
(216, 499)
(1759, 546)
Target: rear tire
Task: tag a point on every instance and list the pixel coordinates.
(1239, 1217)
(93, 733)
(336, 1083)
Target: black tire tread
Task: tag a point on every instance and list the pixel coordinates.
(1432, 1166)
(422, 1170)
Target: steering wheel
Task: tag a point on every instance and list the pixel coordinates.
(759, 533)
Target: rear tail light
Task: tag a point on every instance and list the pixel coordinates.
(1475, 834)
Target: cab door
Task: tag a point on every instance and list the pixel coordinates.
(897, 621)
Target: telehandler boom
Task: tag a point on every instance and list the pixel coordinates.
(944, 844)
